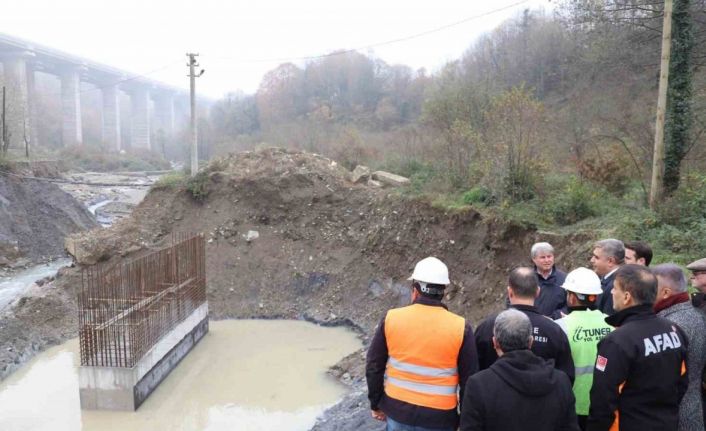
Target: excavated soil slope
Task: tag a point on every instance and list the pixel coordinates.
(328, 251)
(35, 216)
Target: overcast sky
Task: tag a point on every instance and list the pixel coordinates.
(239, 41)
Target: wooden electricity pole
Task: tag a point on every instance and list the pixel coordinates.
(657, 188)
(194, 134)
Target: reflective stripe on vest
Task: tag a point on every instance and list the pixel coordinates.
(580, 371)
(424, 388)
(585, 328)
(423, 371)
(423, 343)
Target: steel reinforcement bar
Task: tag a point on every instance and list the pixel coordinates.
(125, 310)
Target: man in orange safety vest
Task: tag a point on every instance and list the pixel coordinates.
(420, 357)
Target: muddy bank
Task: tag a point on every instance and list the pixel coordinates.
(45, 318)
(288, 236)
(35, 216)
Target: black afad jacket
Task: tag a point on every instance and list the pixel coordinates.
(640, 373)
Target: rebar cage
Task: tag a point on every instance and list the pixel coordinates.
(126, 309)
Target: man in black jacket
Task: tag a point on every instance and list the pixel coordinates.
(550, 341)
(606, 258)
(520, 391)
(640, 373)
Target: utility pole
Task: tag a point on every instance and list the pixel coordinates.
(3, 138)
(656, 189)
(194, 135)
(26, 139)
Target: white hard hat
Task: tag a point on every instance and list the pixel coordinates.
(431, 270)
(583, 281)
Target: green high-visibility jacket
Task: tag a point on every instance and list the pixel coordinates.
(584, 328)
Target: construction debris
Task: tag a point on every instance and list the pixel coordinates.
(390, 179)
(360, 174)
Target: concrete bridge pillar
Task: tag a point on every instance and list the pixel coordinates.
(164, 114)
(17, 114)
(32, 106)
(182, 113)
(140, 124)
(163, 131)
(71, 129)
(111, 118)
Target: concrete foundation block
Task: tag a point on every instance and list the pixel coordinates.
(113, 388)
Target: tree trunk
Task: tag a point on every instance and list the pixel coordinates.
(679, 95)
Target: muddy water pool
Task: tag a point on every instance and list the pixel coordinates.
(244, 375)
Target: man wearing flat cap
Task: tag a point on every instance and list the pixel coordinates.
(698, 282)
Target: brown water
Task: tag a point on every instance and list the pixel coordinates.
(244, 375)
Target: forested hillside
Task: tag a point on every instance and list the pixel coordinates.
(548, 119)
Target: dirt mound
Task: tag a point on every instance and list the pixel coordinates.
(288, 236)
(318, 236)
(35, 216)
(272, 163)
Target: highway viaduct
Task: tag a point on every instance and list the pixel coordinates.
(154, 106)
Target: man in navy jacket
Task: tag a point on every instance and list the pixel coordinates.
(551, 301)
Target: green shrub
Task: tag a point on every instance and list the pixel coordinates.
(688, 204)
(520, 184)
(419, 174)
(420, 179)
(577, 201)
(405, 167)
(198, 186)
(170, 181)
(477, 195)
(681, 244)
(525, 214)
(677, 230)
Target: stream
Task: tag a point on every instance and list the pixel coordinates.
(14, 286)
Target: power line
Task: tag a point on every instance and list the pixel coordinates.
(379, 44)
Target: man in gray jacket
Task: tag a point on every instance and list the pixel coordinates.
(673, 303)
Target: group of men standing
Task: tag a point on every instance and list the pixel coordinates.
(621, 346)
